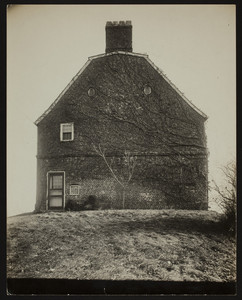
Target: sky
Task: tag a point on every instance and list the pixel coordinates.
(195, 46)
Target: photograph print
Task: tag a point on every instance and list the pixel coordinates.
(121, 149)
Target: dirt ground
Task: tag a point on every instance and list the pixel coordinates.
(166, 245)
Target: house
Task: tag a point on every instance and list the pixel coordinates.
(120, 109)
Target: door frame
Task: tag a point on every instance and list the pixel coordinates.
(64, 189)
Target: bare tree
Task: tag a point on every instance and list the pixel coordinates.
(129, 162)
(120, 116)
(227, 194)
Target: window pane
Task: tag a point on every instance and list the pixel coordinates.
(51, 183)
(74, 190)
(67, 128)
(91, 92)
(66, 136)
(147, 90)
(67, 131)
(57, 182)
(55, 202)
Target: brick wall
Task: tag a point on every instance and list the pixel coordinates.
(163, 131)
(155, 184)
(118, 37)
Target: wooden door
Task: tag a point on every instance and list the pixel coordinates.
(56, 191)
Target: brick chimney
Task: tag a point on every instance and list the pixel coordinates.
(119, 36)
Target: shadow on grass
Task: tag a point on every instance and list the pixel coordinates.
(169, 225)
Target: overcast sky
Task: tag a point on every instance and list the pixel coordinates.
(48, 44)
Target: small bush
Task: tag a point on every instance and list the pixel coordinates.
(227, 223)
(228, 217)
(90, 203)
(227, 198)
(74, 205)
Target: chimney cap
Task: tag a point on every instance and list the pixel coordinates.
(118, 23)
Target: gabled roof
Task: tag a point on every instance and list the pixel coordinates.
(91, 58)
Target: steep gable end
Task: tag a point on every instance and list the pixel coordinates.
(92, 58)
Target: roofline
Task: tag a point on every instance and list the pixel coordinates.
(189, 102)
(118, 52)
(62, 93)
(145, 56)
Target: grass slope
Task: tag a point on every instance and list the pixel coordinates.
(120, 244)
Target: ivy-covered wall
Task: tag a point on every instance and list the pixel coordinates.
(159, 128)
(157, 182)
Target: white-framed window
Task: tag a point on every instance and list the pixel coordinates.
(147, 89)
(67, 132)
(74, 189)
(91, 92)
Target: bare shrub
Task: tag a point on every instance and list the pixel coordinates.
(122, 180)
(227, 196)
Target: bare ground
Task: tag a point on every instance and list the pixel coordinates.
(165, 245)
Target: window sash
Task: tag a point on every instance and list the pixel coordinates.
(56, 182)
(67, 136)
(74, 189)
(67, 128)
(66, 132)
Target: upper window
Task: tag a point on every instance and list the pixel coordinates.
(147, 90)
(67, 132)
(91, 92)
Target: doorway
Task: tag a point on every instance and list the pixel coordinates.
(56, 190)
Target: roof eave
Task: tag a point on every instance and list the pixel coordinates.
(176, 89)
(145, 56)
(61, 94)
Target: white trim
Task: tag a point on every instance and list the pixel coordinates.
(117, 52)
(64, 188)
(73, 186)
(145, 56)
(175, 88)
(61, 132)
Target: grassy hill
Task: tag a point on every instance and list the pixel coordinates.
(161, 245)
